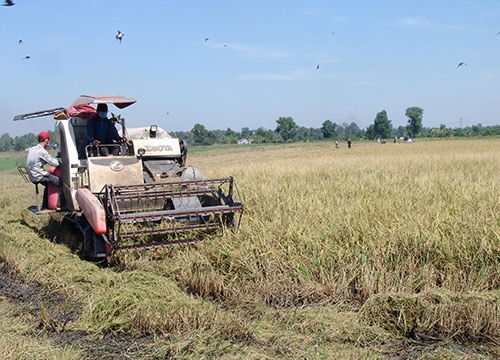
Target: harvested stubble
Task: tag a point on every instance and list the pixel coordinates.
(148, 304)
(17, 341)
(437, 314)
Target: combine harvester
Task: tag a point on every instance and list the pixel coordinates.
(145, 197)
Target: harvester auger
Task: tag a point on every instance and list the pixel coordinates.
(145, 197)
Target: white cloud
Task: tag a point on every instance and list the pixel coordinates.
(413, 21)
(422, 23)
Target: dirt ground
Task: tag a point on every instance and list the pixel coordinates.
(53, 312)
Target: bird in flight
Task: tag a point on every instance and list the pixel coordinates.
(27, 57)
(317, 67)
(461, 64)
(119, 36)
(206, 39)
(20, 41)
(8, 3)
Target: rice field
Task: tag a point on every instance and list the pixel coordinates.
(378, 251)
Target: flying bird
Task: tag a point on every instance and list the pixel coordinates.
(317, 67)
(8, 3)
(27, 57)
(119, 36)
(20, 41)
(461, 64)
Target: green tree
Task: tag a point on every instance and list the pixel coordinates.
(328, 129)
(382, 126)
(370, 132)
(351, 131)
(414, 115)
(287, 128)
(6, 142)
(215, 136)
(307, 134)
(263, 135)
(246, 133)
(315, 134)
(25, 141)
(201, 136)
(400, 131)
(230, 133)
(229, 136)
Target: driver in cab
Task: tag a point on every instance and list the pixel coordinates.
(102, 133)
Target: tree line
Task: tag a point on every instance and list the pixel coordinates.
(23, 142)
(287, 131)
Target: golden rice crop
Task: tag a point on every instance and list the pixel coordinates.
(418, 224)
(326, 225)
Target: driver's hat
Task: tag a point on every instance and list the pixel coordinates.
(102, 107)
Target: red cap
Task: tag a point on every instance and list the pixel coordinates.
(44, 135)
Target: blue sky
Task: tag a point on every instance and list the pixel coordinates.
(260, 62)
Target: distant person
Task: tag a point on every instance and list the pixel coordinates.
(395, 140)
(37, 158)
(337, 144)
(349, 142)
(101, 130)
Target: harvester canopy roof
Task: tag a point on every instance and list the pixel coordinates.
(120, 102)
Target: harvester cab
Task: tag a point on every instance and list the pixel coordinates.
(144, 197)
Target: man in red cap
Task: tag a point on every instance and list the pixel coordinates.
(37, 158)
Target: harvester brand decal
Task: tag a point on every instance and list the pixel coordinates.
(158, 148)
(116, 165)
